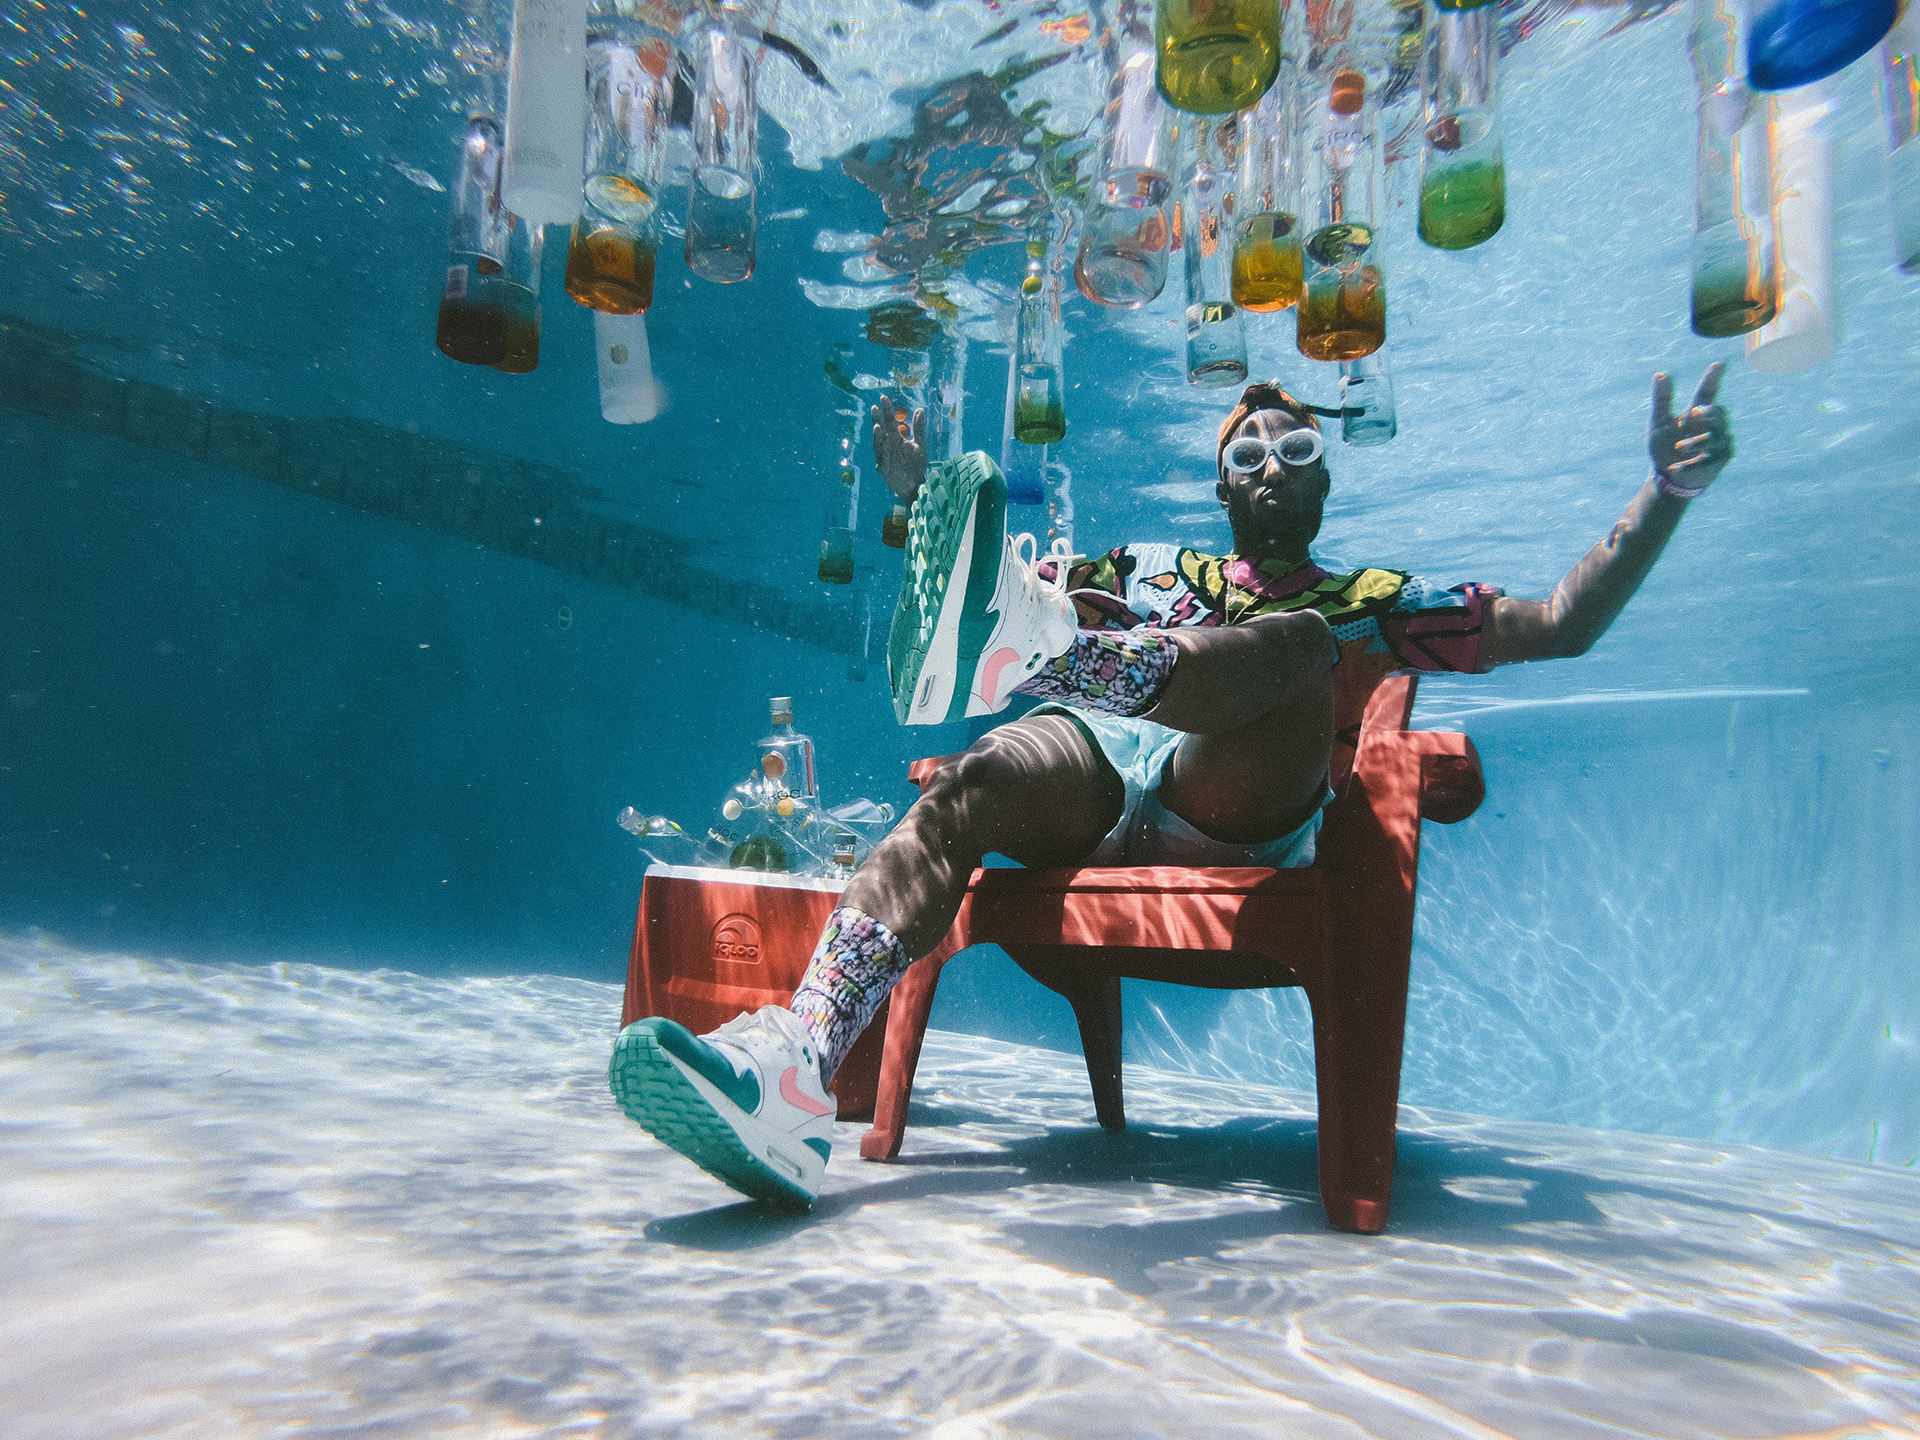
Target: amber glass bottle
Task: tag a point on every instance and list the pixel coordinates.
(615, 242)
(1266, 202)
(1343, 306)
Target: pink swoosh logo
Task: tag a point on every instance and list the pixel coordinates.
(990, 670)
(791, 1092)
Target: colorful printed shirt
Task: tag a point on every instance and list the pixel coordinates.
(1383, 620)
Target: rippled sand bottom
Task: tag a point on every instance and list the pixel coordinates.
(287, 1200)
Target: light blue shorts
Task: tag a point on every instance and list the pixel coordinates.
(1148, 833)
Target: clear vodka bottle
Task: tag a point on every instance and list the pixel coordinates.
(1216, 343)
(786, 756)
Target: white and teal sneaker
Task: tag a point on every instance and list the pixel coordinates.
(975, 617)
(744, 1103)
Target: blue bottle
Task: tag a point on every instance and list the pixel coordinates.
(1796, 42)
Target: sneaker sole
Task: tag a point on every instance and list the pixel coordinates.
(683, 1112)
(958, 520)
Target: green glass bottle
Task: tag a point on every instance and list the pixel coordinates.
(1039, 398)
(1216, 56)
(1463, 176)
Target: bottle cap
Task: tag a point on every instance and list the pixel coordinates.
(1349, 92)
(782, 707)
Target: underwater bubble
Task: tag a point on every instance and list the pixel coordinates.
(417, 176)
(850, 297)
(863, 269)
(840, 242)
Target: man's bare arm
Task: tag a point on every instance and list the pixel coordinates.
(1688, 451)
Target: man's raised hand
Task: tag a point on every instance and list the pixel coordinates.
(1693, 447)
(900, 448)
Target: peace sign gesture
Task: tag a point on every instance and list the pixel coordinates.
(1689, 449)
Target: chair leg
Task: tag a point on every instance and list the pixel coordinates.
(1095, 999)
(912, 1003)
(1096, 1005)
(1358, 1032)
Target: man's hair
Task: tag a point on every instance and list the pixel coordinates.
(1261, 395)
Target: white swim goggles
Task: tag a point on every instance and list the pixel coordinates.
(1296, 450)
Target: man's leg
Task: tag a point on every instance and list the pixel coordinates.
(1035, 790)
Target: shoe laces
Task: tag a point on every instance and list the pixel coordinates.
(749, 1022)
(1060, 555)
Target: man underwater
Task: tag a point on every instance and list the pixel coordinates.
(1197, 709)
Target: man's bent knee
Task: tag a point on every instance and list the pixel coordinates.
(1297, 644)
(1036, 785)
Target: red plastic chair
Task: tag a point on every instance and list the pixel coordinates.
(1341, 929)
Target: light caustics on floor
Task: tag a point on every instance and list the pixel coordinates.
(260, 1201)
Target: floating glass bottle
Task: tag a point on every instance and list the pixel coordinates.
(859, 633)
(545, 116)
(1463, 177)
(1059, 487)
(1216, 56)
(1343, 306)
(519, 286)
(946, 391)
(1039, 402)
(1736, 284)
(628, 394)
(1266, 208)
(1900, 103)
(843, 512)
(1216, 342)
(1366, 400)
(1126, 234)
(473, 322)
(615, 244)
(893, 529)
(720, 196)
(786, 756)
(1802, 333)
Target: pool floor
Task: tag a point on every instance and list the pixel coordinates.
(261, 1201)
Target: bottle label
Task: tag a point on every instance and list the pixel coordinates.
(456, 283)
(1212, 312)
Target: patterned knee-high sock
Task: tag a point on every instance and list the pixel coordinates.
(857, 961)
(1115, 672)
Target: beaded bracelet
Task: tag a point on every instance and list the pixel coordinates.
(1667, 485)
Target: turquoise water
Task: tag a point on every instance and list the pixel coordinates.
(317, 648)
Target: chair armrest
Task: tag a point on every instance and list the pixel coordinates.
(1452, 784)
(920, 770)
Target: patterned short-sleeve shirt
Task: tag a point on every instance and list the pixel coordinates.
(1383, 620)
